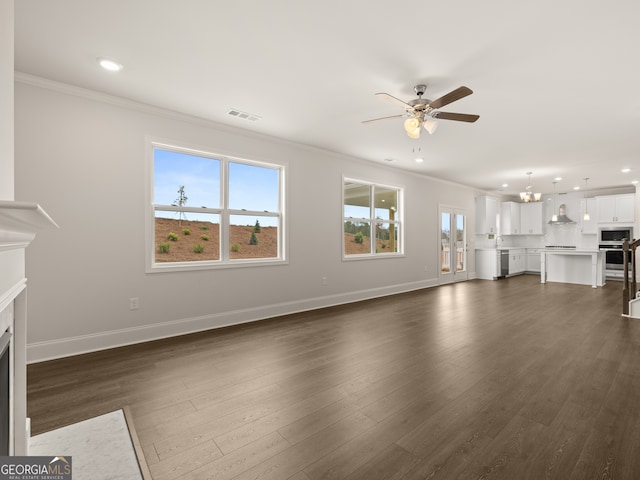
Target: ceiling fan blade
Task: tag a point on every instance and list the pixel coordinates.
(392, 99)
(460, 117)
(450, 97)
(381, 118)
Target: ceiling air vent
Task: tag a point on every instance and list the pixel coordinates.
(247, 116)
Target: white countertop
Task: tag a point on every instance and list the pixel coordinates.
(494, 249)
(581, 251)
(571, 250)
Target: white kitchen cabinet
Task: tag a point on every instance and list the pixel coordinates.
(517, 261)
(589, 205)
(626, 208)
(616, 208)
(486, 215)
(533, 260)
(487, 264)
(531, 219)
(584, 267)
(510, 218)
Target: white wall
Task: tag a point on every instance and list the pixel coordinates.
(85, 160)
(6, 100)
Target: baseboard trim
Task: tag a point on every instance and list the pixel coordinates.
(66, 347)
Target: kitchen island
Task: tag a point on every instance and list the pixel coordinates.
(570, 265)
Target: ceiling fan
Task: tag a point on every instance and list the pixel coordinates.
(422, 112)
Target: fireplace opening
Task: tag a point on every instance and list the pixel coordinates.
(5, 398)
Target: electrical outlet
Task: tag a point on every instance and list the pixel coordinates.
(134, 303)
(323, 281)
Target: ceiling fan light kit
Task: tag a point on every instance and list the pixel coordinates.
(422, 112)
(412, 127)
(430, 125)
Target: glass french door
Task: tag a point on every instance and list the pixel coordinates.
(453, 245)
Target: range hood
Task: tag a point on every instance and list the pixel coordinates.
(561, 218)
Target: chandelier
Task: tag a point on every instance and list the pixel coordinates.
(528, 195)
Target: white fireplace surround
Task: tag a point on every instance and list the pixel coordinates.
(19, 223)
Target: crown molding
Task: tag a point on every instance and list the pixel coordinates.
(68, 89)
(45, 83)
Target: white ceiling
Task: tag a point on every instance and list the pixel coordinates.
(555, 82)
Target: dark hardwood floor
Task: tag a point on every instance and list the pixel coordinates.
(478, 380)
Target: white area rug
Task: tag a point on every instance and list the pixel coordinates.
(100, 448)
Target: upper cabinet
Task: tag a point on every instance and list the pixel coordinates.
(510, 218)
(486, 215)
(521, 219)
(531, 219)
(616, 208)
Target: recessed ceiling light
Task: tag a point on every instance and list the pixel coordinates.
(576, 187)
(557, 179)
(626, 170)
(110, 65)
(635, 182)
(505, 185)
(419, 160)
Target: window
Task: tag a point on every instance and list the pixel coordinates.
(372, 220)
(210, 210)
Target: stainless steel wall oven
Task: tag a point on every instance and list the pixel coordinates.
(611, 239)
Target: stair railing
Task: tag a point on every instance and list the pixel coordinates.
(630, 289)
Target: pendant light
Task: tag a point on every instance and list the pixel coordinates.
(554, 217)
(586, 216)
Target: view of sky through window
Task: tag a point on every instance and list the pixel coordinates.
(251, 187)
(200, 177)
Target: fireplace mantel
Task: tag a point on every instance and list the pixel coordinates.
(19, 223)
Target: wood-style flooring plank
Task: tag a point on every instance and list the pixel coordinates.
(294, 459)
(449, 455)
(391, 464)
(340, 463)
(481, 379)
(555, 454)
(611, 449)
(505, 457)
(181, 465)
(239, 461)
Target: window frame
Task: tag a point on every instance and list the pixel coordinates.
(373, 221)
(224, 213)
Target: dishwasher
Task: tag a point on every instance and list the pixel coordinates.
(504, 263)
